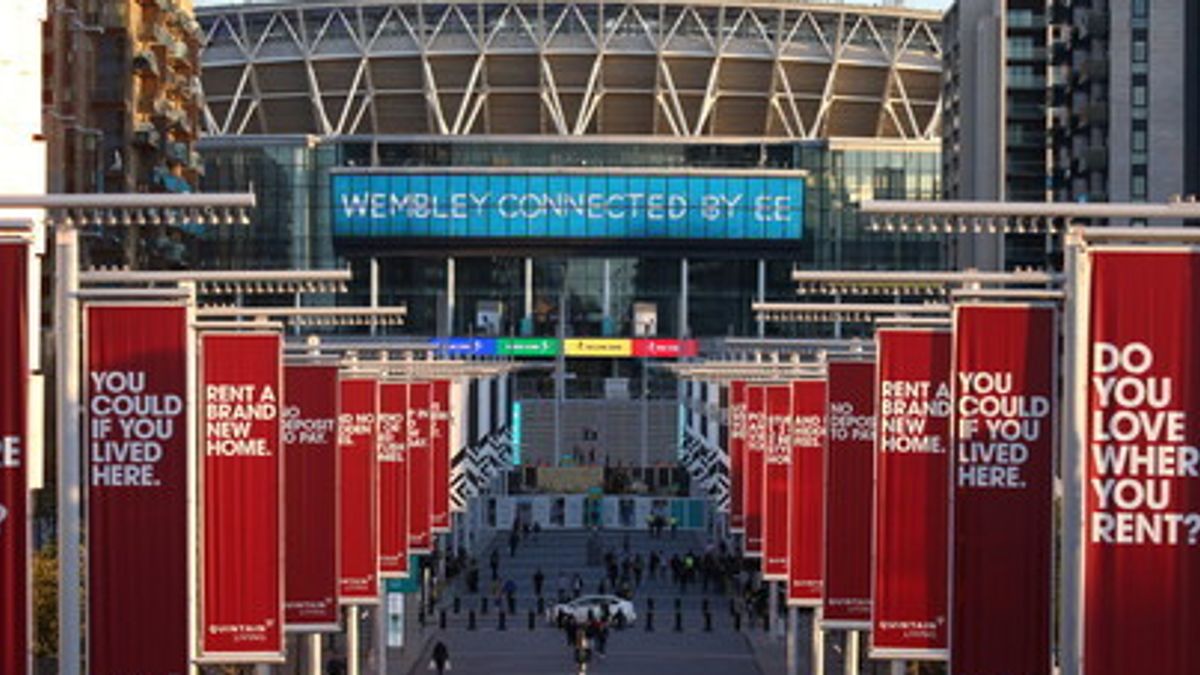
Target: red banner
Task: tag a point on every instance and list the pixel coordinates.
(1004, 431)
(806, 498)
(241, 580)
(752, 462)
(439, 448)
(1141, 539)
(664, 348)
(849, 458)
(137, 454)
(911, 494)
(357, 429)
(393, 480)
(312, 497)
(776, 471)
(737, 448)
(14, 486)
(420, 468)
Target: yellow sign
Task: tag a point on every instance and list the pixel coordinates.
(598, 347)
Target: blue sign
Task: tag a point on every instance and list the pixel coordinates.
(516, 433)
(591, 205)
(465, 346)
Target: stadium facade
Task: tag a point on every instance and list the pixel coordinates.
(571, 169)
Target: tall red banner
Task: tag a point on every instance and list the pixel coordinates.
(14, 486)
(241, 580)
(393, 479)
(1141, 482)
(420, 468)
(849, 460)
(312, 497)
(777, 461)
(911, 494)
(357, 429)
(737, 452)
(439, 447)
(752, 463)
(137, 459)
(806, 498)
(1004, 432)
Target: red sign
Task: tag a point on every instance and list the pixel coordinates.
(439, 447)
(241, 617)
(911, 494)
(14, 490)
(393, 480)
(137, 454)
(1004, 377)
(806, 498)
(752, 461)
(777, 461)
(737, 452)
(420, 468)
(849, 457)
(1141, 482)
(311, 497)
(657, 348)
(357, 428)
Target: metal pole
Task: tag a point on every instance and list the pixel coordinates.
(851, 653)
(818, 644)
(645, 458)
(450, 284)
(773, 607)
(684, 331)
(374, 287)
(1075, 383)
(381, 630)
(352, 640)
(793, 634)
(898, 667)
(313, 641)
(67, 350)
(762, 294)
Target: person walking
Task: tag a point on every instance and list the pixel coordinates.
(441, 658)
(538, 580)
(494, 561)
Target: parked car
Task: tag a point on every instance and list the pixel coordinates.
(620, 610)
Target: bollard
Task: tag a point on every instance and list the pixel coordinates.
(502, 621)
(650, 621)
(457, 604)
(737, 620)
(442, 620)
(678, 621)
(471, 620)
(707, 622)
(483, 605)
(532, 619)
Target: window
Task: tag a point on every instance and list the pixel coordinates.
(1139, 187)
(1139, 95)
(1138, 140)
(1139, 50)
(1140, 8)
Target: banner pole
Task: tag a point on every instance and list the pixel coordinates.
(898, 667)
(1075, 349)
(70, 485)
(352, 640)
(818, 644)
(793, 649)
(851, 653)
(314, 653)
(381, 632)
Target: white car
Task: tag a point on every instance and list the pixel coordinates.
(620, 611)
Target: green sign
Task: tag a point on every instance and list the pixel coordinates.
(409, 584)
(527, 347)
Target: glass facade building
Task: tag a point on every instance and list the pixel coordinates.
(693, 287)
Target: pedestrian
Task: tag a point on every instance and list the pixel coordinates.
(538, 580)
(537, 529)
(513, 540)
(674, 526)
(655, 560)
(441, 658)
(577, 585)
(602, 638)
(571, 629)
(561, 587)
(494, 561)
(510, 594)
(637, 570)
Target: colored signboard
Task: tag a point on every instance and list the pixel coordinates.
(593, 205)
(656, 348)
(598, 347)
(806, 496)
(420, 468)
(1004, 431)
(439, 451)
(14, 488)
(393, 479)
(777, 459)
(357, 431)
(1141, 481)
(752, 461)
(664, 349)
(311, 495)
(849, 457)
(737, 455)
(241, 578)
(912, 469)
(137, 453)
(527, 347)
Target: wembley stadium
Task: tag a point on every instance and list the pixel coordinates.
(608, 181)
